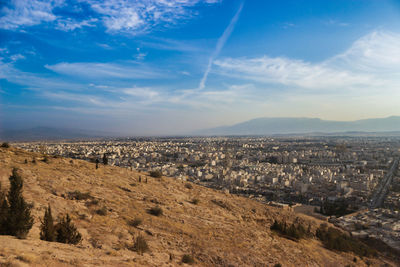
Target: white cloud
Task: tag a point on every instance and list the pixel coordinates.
(142, 15)
(144, 92)
(117, 15)
(70, 24)
(20, 13)
(104, 70)
(372, 62)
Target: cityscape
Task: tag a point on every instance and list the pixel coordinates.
(350, 181)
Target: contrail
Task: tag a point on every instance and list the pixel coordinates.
(220, 44)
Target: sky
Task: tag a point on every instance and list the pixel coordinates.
(165, 67)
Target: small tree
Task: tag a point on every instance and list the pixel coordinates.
(66, 231)
(3, 212)
(19, 220)
(105, 159)
(97, 163)
(47, 231)
(5, 145)
(140, 245)
(156, 174)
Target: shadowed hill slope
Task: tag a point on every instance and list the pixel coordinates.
(219, 230)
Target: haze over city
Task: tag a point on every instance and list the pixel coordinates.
(173, 67)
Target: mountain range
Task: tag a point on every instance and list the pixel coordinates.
(274, 126)
(259, 126)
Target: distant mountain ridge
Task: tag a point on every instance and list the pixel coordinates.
(48, 133)
(273, 126)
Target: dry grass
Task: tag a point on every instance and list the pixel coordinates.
(223, 230)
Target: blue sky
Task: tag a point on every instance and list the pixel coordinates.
(148, 67)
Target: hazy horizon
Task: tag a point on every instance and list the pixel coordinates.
(171, 67)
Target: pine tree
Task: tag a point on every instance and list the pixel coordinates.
(66, 231)
(19, 220)
(105, 159)
(47, 231)
(3, 212)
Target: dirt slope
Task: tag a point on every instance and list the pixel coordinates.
(220, 230)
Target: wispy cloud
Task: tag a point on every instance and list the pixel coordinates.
(20, 13)
(93, 70)
(371, 62)
(69, 24)
(116, 15)
(220, 44)
(142, 15)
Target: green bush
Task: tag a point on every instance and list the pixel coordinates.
(156, 174)
(102, 211)
(135, 222)
(78, 195)
(66, 231)
(16, 216)
(294, 231)
(195, 201)
(156, 211)
(47, 230)
(140, 245)
(189, 186)
(5, 145)
(188, 259)
(335, 239)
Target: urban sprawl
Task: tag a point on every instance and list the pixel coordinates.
(352, 181)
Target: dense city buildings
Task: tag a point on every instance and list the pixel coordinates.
(335, 176)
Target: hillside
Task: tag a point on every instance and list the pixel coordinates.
(269, 126)
(220, 230)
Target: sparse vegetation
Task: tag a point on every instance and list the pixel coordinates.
(66, 231)
(5, 145)
(156, 174)
(16, 212)
(155, 211)
(221, 203)
(195, 201)
(293, 231)
(78, 195)
(47, 231)
(188, 259)
(335, 239)
(105, 159)
(102, 211)
(135, 222)
(140, 245)
(92, 202)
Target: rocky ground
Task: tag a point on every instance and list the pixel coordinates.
(215, 228)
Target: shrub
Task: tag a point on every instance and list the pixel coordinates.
(47, 231)
(92, 202)
(293, 231)
(5, 145)
(156, 211)
(140, 245)
(17, 220)
(105, 159)
(156, 174)
(66, 231)
(78, 195)
(188, 259)
(46, 159)
(195, 201)
(335, 239)
(135, 222)
(102, 211)
(189, 186)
